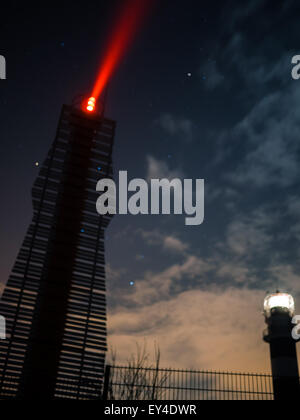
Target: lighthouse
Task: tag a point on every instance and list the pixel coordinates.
(279, 309)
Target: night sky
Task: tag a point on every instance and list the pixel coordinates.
(205, 91)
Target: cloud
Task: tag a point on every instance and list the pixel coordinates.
(285, 278)
(113, 274)
(154, 286)
(293, 204)
(167, 242)
(244, 257)
(206, 312)
(239, 56)
(267, 140)
(233, 271)
(212, 329)
(292, 213)
(257, 69)
(250, 234)
(174, 244)
(158, 169)
(175, 126)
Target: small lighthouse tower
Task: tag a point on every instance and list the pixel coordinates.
(279, 309)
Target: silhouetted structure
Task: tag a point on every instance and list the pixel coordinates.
(279, 311)
(139, 383)
(54, 301)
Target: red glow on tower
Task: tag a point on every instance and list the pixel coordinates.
(127, 25)
(91, 104)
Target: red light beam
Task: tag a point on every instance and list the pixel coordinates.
(128, 23)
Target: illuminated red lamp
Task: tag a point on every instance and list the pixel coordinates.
(91, 104)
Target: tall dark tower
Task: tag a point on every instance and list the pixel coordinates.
(54, 302)
(279, 310)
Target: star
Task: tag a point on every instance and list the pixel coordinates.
(189, 74)
(37, 164)
(131, 283)
(62, 44)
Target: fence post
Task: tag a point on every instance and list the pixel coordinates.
(106, 382)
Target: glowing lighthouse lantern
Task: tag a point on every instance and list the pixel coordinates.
(91, 105)
(279, 301)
